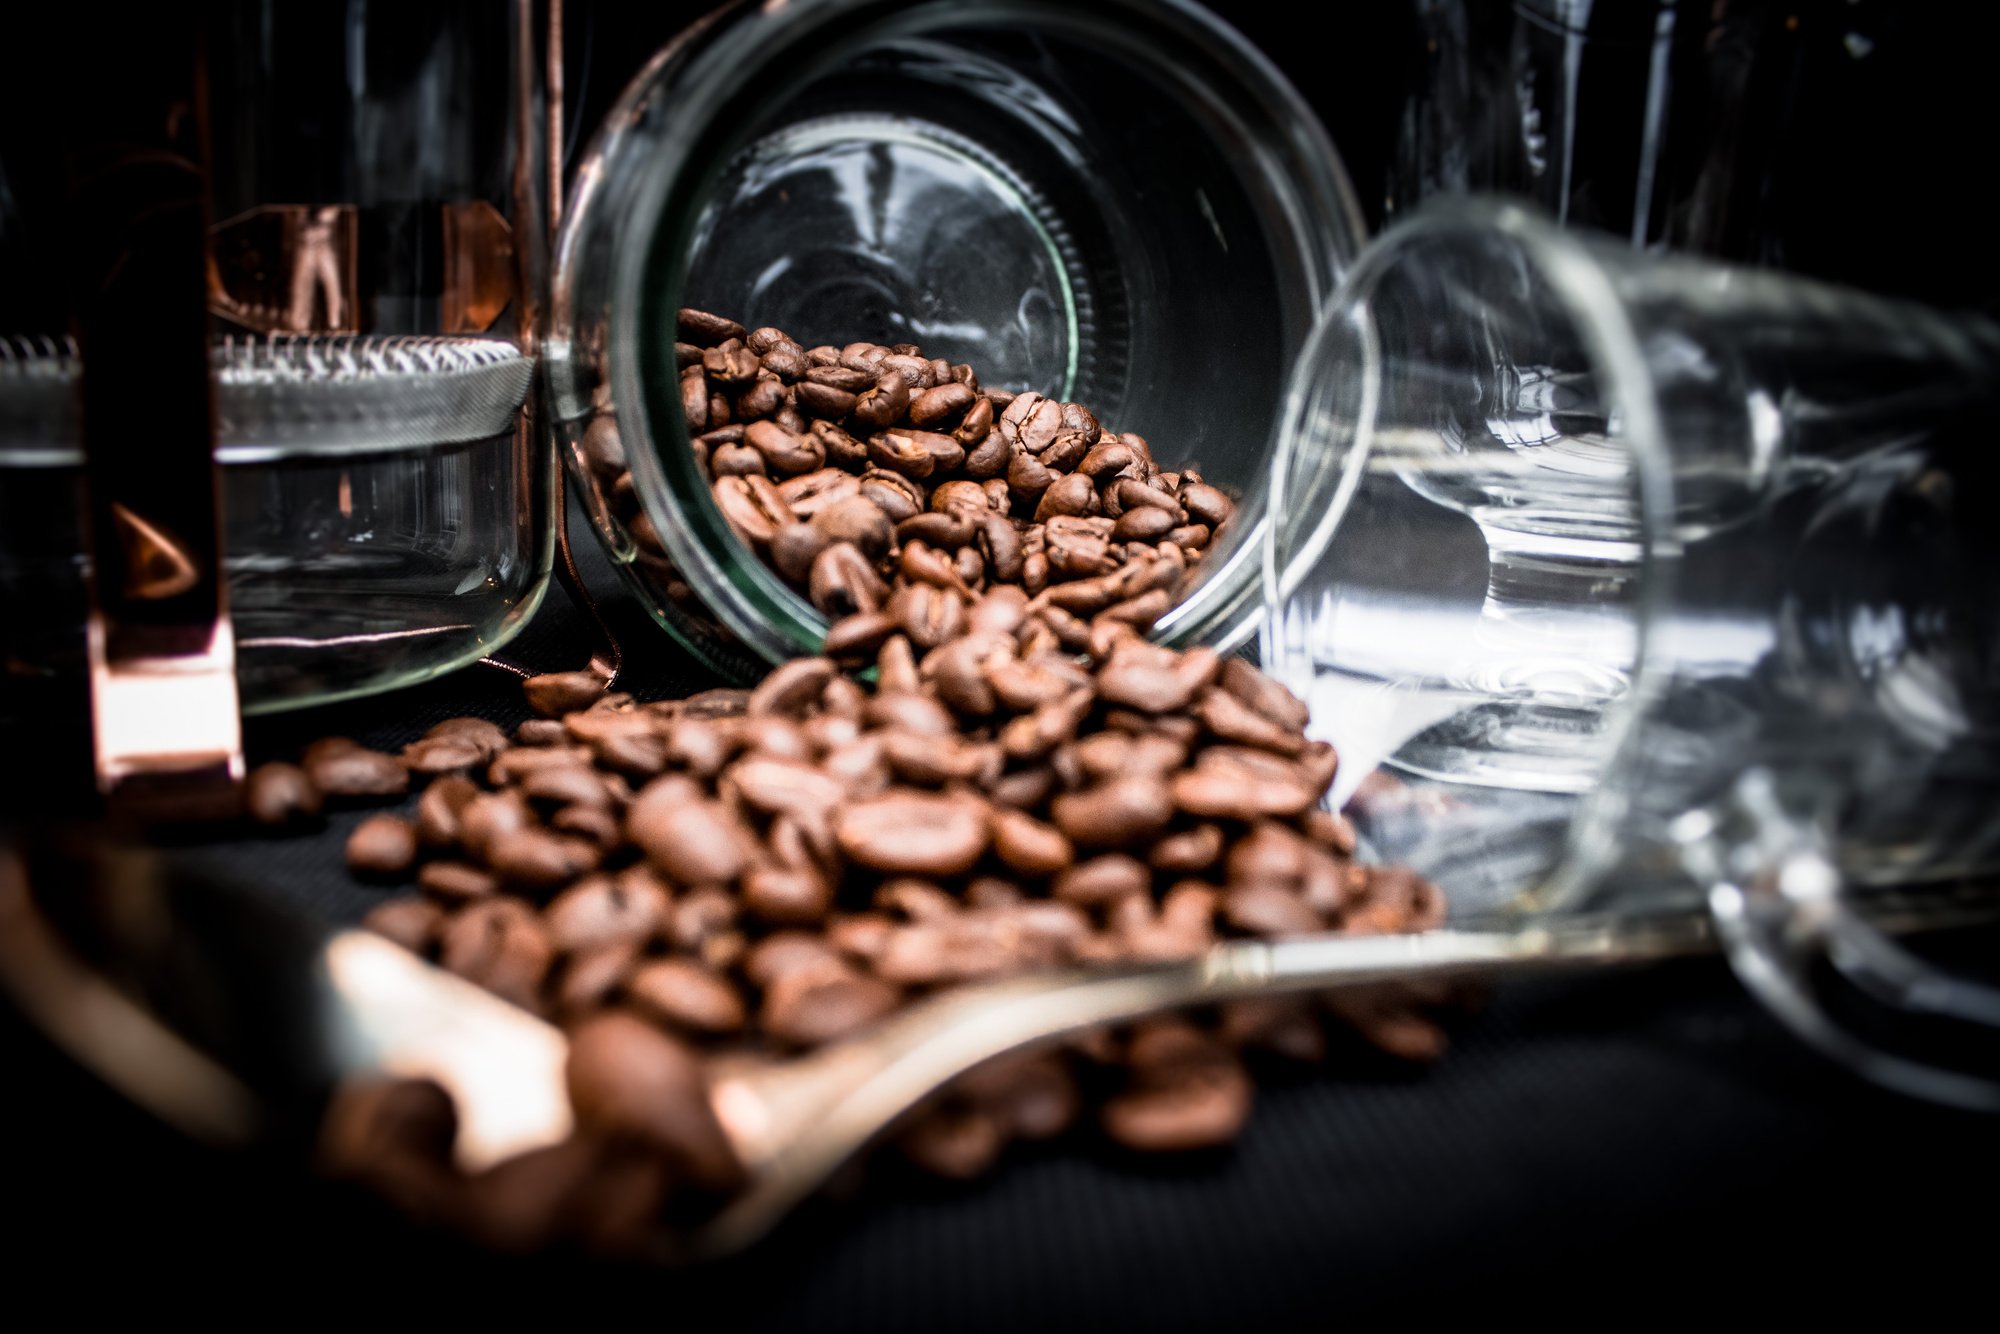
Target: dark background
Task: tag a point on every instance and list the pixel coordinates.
(1591, 1149)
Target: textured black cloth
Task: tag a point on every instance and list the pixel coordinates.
(1647, 1142)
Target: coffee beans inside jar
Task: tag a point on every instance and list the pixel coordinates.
(872, 478)
(752, 874)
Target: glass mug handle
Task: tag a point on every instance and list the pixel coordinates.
(1782, 908)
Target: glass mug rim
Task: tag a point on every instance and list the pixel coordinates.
(718, 63)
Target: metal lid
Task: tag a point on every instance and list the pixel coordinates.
(285, 395)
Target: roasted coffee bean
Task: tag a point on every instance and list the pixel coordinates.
(563, 692)
(705, 330)
(456, 882)
(1265, 909)
(565, 785)
(841, 448)
(851, 379)
(590, 979)
(498, 943)
(384, 846)
(958, 1143)
(631, 1079)
(685, 996)
(540, 732)
(415, 924)
(602, 910)
(730, 364)
(281, 794)
(811, 1006)
(786, 896)
(1271, 854)
(735, 460)
(1028, 845)
(1190, 1104)
(859, 635)
(703, 915)
(516, 765)
(793, 688)
(843, 582)
(1156, 680)
(692, 842)
(882, 403)
(930, 616)
(896, 667)
(1189, 852)
(783, 452)
(1115, 814)
(536, 861)
(1207, 505)
(441, 755)
(346, 769)
(856, 520)
(1102, 880)
(915, 833)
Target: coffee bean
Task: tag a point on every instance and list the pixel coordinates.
(281, 794)
(539, 732)
(1263, 909)
(685, 996)
(1102, 880)
(1028, 845)
(535, 861)
(786, 896)
(456, 882)
(706, 330)
(783, 452)
(631, 1079)
(808, 1007)
(498, 944)
(599, 911)
(415, 924)
(1189, 852)
(843, 581)
(563, 692)
(383, 846)
(793, 688)
(1190, 1105)
(939, 406)
(351, 770)
(930, 616)
(692, 842)
(915, 833)
(956, 1143)
(858, 635)
(564, 785)
(1115, 814)
(590, 979)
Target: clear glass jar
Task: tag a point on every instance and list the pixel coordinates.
(1120, 204)
(385, 511)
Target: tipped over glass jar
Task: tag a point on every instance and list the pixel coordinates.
(1122, 206)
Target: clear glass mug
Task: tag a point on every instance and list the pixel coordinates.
(1657, 121)
(1121, 204)
(377, 251)
(1625, 580)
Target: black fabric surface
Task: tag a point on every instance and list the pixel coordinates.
(1591, 1148)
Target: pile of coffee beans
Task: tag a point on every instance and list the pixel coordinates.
(867, 473)
(750, 874)
(757, 873)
